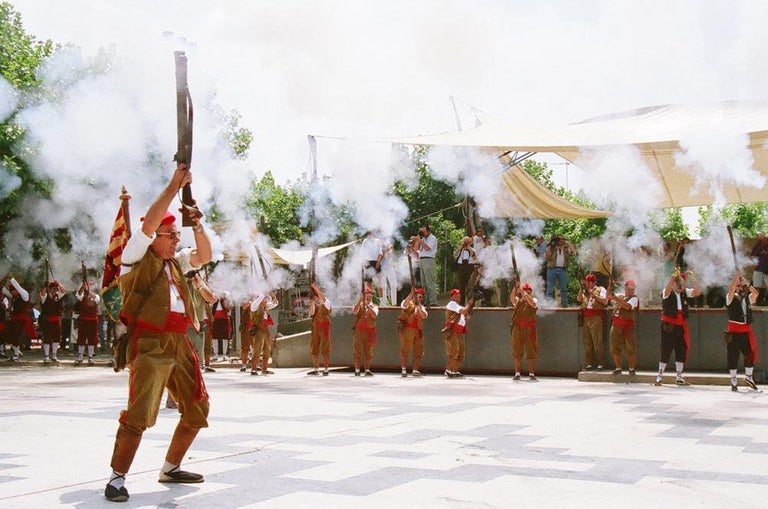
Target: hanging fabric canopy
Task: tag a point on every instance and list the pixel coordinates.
(303, 256)
(520, 195)
(663, 137)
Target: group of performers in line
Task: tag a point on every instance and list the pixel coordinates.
(257, 343)
(595, 305)
(16, 320)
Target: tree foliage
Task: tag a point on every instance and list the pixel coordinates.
(747, 219)
(20, 56)
(279, 206)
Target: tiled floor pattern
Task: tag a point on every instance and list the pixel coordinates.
(290, 440)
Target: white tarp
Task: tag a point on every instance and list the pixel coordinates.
(663, 137)
(303, 256)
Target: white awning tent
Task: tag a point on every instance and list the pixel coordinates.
(659, 135)
(303, 256)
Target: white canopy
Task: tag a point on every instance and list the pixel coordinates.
(660, 135)
(303, 256)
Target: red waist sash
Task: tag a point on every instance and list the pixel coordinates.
(679, 320)
(623, 323)
(526, 323)
(745, 328)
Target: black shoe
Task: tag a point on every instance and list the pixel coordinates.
(532, 378)
(357, 372)
(588, 367)
(314, 372)
(368, 372)
(458, 374)
(751, 383)
(254, 372)
(616, 371)
(325, 373)
(116, 494)
(268, 372)
(180, 476)
(631, 371)
(682, 382)
(516, 377)
(599, 368)
(734, 388)
(209, 369)
(657, 383)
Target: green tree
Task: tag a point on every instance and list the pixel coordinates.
(20, 56)
(669, 223)
(279, 206)
(434, 202)
(747, 219)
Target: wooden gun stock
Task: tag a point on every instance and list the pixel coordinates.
(184, 117)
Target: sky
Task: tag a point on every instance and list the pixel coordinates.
(360, 70)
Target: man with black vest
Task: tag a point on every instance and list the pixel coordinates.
(674, 326)
(739, 336)
(158, 309)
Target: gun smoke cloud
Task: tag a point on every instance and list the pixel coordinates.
(358, 71)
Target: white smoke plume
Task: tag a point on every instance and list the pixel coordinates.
(717, 155)
(615, 176)
(357, 70)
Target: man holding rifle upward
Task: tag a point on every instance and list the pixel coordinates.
(158, 309)
(739, 336)
(411, 331)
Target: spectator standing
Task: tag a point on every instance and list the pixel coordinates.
(557, 256)
(427, 251)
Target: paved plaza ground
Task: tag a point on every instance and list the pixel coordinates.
(290, 440)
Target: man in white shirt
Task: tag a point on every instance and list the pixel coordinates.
(427, 246)
(158, 309)
(674, 323)
(455, 329)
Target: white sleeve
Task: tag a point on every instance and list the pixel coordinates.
(136, 247)
(183, 257)
(453, 306)
(22, 292)
(327, 304)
